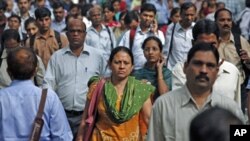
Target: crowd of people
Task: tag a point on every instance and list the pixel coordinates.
(166, 70)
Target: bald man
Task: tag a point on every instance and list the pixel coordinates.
(69, 70)
(19, 102)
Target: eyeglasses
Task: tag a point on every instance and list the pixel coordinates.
(76, 30)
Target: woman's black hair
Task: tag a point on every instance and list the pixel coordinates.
(155, 39)
(121, 49)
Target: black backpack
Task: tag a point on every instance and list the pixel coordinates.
(237, 45)
(57, 36)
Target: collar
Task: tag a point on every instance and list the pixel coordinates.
(51, 34)
(231, 39)
(25, 18)
(21, 82)
(178, 27)
(139, 30)
(60, 23)
(187, 98)
(86, 50)
(93, 29)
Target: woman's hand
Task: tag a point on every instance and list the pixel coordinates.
(160, 63)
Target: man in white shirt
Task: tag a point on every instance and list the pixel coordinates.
(177, 49)
(148, 27)
(69, 70)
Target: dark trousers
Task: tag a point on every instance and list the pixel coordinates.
(74, 120)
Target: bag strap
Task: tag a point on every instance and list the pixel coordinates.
(237, 42)
(1, 53)
(109, 32)
(58, 39)
(171, 43)
(32, 41)
(92, 110)
(240, 19)
(42, 104)
(131, 38)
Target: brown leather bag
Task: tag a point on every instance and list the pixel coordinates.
(38, 122)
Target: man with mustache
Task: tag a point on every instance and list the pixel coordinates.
(172, 112)
(227, 48)
(207, 31)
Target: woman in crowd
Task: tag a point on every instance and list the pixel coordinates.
(175, 15)
(109, 15)
(154, 70)
(31, 27)
(123, 103)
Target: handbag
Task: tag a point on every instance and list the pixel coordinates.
(38, 122)
(92, 111)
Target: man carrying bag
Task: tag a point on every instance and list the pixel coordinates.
(19, 104)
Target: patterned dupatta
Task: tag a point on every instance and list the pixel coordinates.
(134, 95)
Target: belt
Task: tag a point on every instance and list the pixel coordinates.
(72, 112)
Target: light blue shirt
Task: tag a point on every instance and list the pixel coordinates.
(68, 75)
(101, 40)
(18, 108)
(58, 26)
(182, 42)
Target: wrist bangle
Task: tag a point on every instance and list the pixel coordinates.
(161, 78)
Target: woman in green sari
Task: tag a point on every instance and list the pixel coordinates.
(155, 71)
(125, 102)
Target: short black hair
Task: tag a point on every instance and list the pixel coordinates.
(220, 10)
(213, 125)
(73, 5)
(15, 16)
(130, 16)
(155, 39)
(57, 5)
(22, 63)
(148, 7)
(42, 12)
(205, 26)
(174, 11)
(109, 7)
(85, 9)
(121, 49)
(247, 3)
(204, 47)
(10, 34)
(186, 5)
